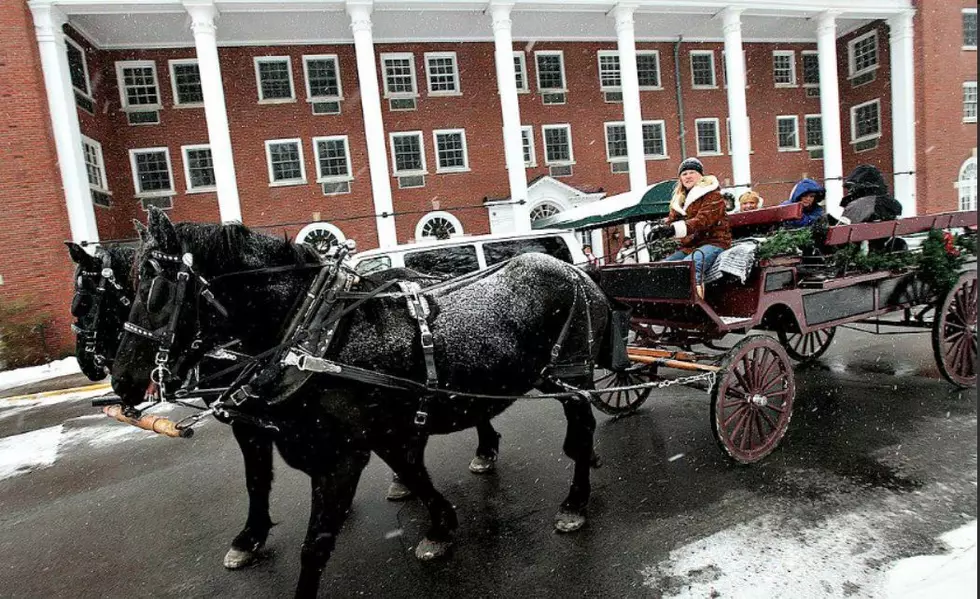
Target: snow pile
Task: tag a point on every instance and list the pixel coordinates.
(33, 374)
(27, 451)
(931, 576)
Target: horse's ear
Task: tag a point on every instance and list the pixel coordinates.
(163, 231)
(141, 230)
(77, 253)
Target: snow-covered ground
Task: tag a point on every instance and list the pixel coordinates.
(33, 374)
(951, 575)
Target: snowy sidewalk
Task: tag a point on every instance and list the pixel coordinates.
(10, 379)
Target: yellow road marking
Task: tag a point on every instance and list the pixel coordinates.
(44, 394)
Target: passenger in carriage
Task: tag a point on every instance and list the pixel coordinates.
(749, 201)
(866, 197)
(809, 194)
(697, 218)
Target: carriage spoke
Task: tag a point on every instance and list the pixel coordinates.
(747, 431)
(741, 377)
(761, 427)
(732, 416)
(768, 419)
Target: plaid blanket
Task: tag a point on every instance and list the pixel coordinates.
(736, 261)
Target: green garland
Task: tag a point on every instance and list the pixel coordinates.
(787, 242)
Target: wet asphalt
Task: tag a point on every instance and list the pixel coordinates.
(152, 517)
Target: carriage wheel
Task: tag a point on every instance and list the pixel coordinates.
(620, 402)
(752, 399)
(954, 332)
(804, 347)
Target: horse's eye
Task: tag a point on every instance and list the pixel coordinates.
(161, 292)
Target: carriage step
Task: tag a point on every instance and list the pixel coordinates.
(730, 320)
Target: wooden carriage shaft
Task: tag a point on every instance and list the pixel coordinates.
(669, 363)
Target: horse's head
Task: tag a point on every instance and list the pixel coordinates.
(100, 305)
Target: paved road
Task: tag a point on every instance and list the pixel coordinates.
(880, 459)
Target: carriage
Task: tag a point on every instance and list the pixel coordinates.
(801, 299)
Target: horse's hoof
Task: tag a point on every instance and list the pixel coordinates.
(482, 465)
(568, 521)
(236, 559)
(398, 492)
(429, 550)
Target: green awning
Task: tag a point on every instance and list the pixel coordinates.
(620, 209)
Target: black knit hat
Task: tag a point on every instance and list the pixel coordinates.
(691, 164)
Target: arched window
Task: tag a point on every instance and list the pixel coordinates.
(438, 225)
(967, 184)
(321, 236)
(543, 210)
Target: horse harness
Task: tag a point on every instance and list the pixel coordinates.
(106, 279)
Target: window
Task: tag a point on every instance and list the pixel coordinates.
(332, 158)
(863, 54)
(152, 172)
(527, 141)
(539, 212)
(969, 29)
(784, 68)
(399, 75)
(788, 133)
(95, 169)
(866, 121)
(520, 72)
(557, 144)
(811, 69)
(451, 154)
(551, 71)
(728, 125)
(967, 185)
(322, 77)
(185, 79)
(440, 225)
(78, 68)
(407, 153)
(285, 160)
(814, 132)
(138, 88)
(443, 262)
(442, 73)
(616, 142)
(198, 168)
(707, 137)
(703, 69)
(275, 78)
(970, 102)
(610, 78)
(654, 140)
(648, 69)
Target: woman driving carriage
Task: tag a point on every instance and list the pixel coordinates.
(697, 218)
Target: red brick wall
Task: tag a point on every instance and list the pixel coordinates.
(33, 262)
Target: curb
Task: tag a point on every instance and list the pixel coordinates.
(45, 394)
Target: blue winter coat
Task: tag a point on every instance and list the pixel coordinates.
(816, 212)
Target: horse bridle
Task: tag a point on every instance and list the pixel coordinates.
(164, 336)
(106, 280)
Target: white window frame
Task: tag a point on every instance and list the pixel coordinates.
(605, 128)
(803, 67)
(605, 54)
(714, 69)
(121, 65)
(663, 129)
(963, 188)
(656, 123)
(522, 56)
(320, 178)
(537, 72)
(87, 93)
(796, 127)
(571, 147)
(391, 142)
(257, 60)
(728, 131)
(529, 129)
(302, 162)
(660, 73)
(136, 178)
(385, 56)
(967, 11)
(187, 169)
(852, 58)
(791, 54)
(806, 141)
(854, 111)
(967, 85)
(456, 78)
(98, 150)
(306, 78)
(697, 136)
(435, 149)
(173, 82)
(438, 214)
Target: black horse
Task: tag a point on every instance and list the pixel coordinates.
(492, 336)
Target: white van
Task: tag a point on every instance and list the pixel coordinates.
(461, 255)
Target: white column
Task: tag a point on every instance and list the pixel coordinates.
(511, 112)
(48, 22)
(203, 14)
(374, 128)
(903, 110)
(737, 108)
(632, 115)
(833, 157)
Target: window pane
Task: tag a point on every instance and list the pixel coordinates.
(782, 68)
(200, 166)
(616, 141)
(275, 78)
(811, 69)
(187, 79)
(76, 69)
(609, 74)
(557, 145)
(653, 140)
(703, 66)
(528, 143)
(398, 76)
(141, 88)
(450, 150)
(550, 71)
(866, 54)
(867, 121)
(648, 69)
(333, 158)
(707, 137)
(519, 72)
(814, 132)
(322, 75)
(442, 74)
(452, 262)
(787, 133)
(500, 251)
(970, 102)
(970, 28)
(152, 171)
(408, 153)
(93, 165)
(285, 161)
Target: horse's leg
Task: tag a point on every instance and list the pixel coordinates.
(333, 486)
(256, 449)
(406, 461)
(579, 438)
(487, 450)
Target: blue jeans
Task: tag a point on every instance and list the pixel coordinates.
(703, 257)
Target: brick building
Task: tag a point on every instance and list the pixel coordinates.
(388, 120)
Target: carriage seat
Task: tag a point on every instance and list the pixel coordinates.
(762, 221)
